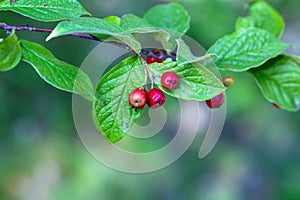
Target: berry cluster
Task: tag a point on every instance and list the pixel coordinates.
(155, 98)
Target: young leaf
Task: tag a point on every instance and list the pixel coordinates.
(279, 81)
(196, 82)
(171, 17)
(262, 16)
(55, 72)
(47, 11)
(96, 27)
(113, 115)
(245, 49)
(113, 19)
(10, 52)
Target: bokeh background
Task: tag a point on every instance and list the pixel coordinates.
(42, 158)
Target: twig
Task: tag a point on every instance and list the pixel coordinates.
(147, 70)
(9, 28)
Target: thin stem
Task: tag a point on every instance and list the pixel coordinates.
(148, 72)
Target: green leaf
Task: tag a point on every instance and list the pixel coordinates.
(113, 115)
(112, 19)
(10, 52)
(185, 56)
(95, 26)
(245, 49)
(171, 17)
(47, 11)
(55, 72)
(135, 24)
(279, 81)
(262, 16)
(196, 82)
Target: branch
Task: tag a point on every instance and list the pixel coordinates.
(9, 28)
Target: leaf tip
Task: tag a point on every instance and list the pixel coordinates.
(50, 36)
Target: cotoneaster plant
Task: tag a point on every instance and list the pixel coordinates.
(254, 47)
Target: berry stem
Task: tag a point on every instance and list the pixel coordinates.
(147, 70)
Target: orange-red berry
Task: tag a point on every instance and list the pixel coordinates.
(138, 98)
(156, 98)
(216, 101)
(169, 80)
(228, 81)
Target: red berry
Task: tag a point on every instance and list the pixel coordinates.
(153, 59)
(228, 81)
(137, 98)
(216, 101)
(276, 105)
(160, 60)
(169, 80)
(156, 98)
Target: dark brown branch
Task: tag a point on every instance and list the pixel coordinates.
(9, 28)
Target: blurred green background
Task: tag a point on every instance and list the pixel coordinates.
(41, 156)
